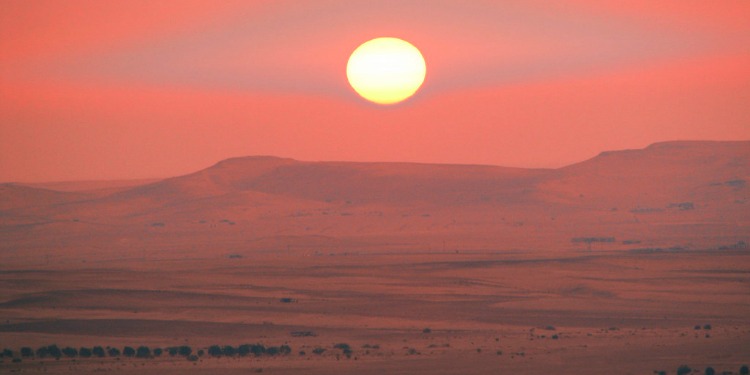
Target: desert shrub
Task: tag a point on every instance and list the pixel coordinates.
(200, 353)
(342, 346)
(744, 370)
(684, 370)
(697, 327)
(426, 330)
(27, 352)
(229, 350)
(243, 350)
(98, 351)
(707, 326)
(318, 351)
(555, 337)
(185, 350)
(128, 351)
(143, 352)
(70, 352)
(214, 351)
(42, 352)
(272, 350)
(302, 353)
(173, 350)
(16, 360)
(287, 300)
(710, 371)
(192, 358)
(661, 373)
(285, 349)
(6, 353)
(158, 352)
(257, 349)
(113, 352)
(84, 352)
(54, 351)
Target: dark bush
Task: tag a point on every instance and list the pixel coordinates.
(7, 353)
(128, 351)
(42, 352)
(343, 346)
(173, 350)
(707, 326)
(272, 350)
(555, 337)
(143, 352)
(98, 351)
(257, 349)
(214, 351)
(27, 352)
(229, 350)
(192, 358)
(200, 353)
(744, 370)
(70, 352)
(426, 330)
(185, 350)
(318, 351)
(710, 371)
(243, 350)
(285, 349)
(113, 352)
(16, 360)
(697, 327)
(54, 351)
(684, 370)
(84, 352)
(158, 352)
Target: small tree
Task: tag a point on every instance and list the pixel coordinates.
(243, 350)
(143, 352)
(98, 352)
(214, 351)
(54, 351)
(84, 352)
(70, 352)
(128, 351)
(42, 352)
(185, 350)
(285, 349)
(229, 350)
(744, 370)
(257, 349)
(684, 370)
(113, 352)
(710, 371)
(157, 352)
(27, 352)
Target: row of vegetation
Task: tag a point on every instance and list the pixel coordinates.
(56, 352)
(685, 370)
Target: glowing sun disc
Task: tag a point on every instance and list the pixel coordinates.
(386, 70)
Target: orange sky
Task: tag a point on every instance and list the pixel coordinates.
(129, 89)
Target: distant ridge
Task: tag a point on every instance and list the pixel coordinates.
(684, 192)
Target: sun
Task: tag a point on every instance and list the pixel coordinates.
(386, 70)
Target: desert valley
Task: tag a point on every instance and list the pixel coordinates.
(632, 262)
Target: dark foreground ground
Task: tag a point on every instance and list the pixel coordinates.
(535, 312)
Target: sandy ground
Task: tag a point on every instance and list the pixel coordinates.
(611, 312)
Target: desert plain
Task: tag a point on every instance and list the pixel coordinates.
(632, 262)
